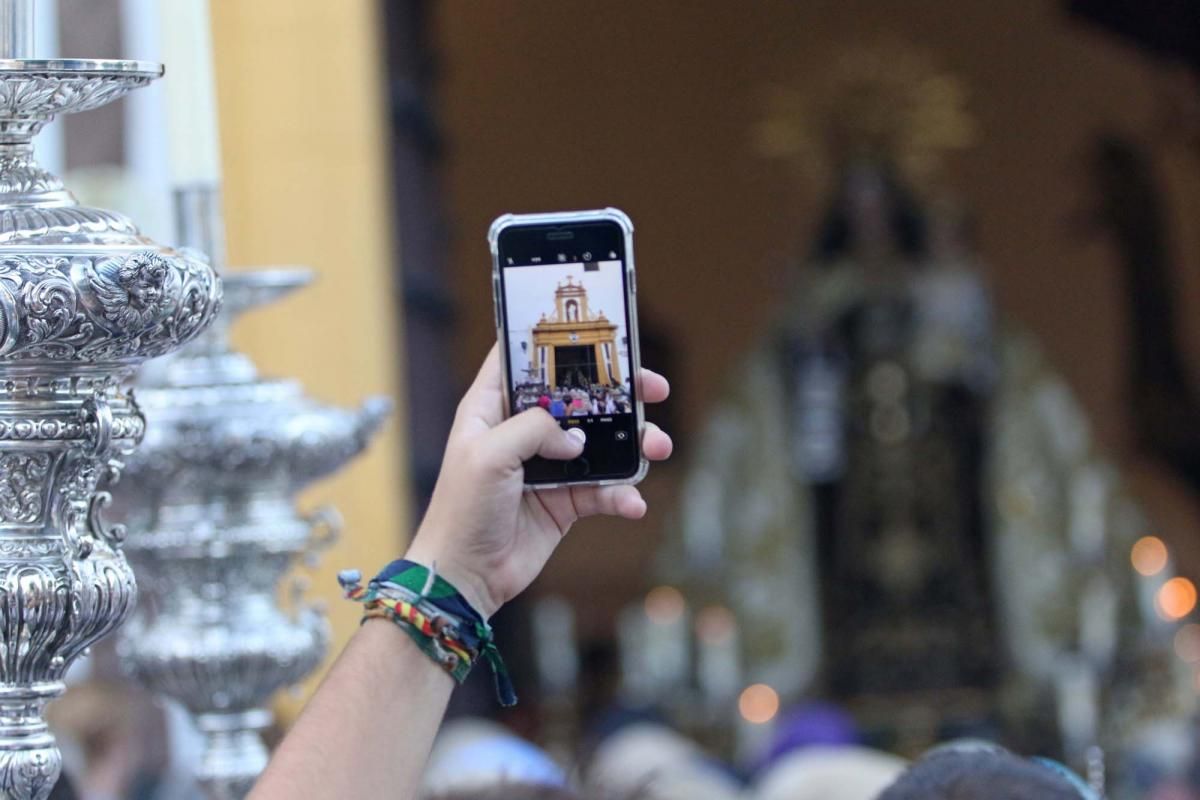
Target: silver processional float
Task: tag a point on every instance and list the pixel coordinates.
(85, 298)
(210, 496)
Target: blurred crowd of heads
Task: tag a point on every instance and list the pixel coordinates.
(814, 755)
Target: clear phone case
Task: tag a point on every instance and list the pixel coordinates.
(567, 218)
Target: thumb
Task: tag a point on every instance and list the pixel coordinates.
(535, 433)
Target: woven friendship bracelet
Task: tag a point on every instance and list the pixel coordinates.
(435, 615)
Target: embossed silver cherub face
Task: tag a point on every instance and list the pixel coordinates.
(143, 277)
(135, 294)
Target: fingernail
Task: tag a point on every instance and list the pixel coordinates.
(577, 434)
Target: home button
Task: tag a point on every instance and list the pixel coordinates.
(577, 468)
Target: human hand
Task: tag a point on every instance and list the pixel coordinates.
(489, 537)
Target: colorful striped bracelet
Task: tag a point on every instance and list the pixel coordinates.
(435, 615)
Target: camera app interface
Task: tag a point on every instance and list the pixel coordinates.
(568, 353)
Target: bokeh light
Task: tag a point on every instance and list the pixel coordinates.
(758, 703)
(1149, 555)
(1176, 598)
(664, 604)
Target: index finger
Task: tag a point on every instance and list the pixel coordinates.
(654, 387)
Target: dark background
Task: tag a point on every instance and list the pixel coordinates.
(651, 107)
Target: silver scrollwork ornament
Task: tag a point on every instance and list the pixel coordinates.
(84, 300)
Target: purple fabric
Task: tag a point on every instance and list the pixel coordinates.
(813, 724)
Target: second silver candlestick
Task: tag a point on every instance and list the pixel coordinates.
(210, 504)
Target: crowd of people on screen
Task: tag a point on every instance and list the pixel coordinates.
(573, 401)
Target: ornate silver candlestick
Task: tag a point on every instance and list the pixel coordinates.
(84, 299)
(212, 497)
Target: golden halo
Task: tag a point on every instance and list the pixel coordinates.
(883, 102)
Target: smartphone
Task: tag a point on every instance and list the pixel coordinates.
(566, 321)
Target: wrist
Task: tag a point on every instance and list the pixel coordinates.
(387, 637)
(425, 551)
(432, 610)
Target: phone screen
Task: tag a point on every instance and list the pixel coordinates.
(566, 335)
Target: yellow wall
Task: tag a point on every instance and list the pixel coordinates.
(301, 96)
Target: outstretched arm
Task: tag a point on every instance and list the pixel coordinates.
(368, 729)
